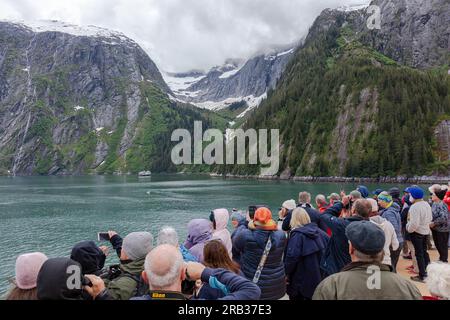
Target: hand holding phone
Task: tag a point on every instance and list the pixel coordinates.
(103, 236)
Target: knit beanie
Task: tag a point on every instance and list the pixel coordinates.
(137, 245)
(27, 269)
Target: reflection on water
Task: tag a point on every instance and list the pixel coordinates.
(51, 214)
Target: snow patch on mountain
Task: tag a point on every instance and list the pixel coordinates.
(251, 100)
(179, 84)
(230, 73)
(278, 55)
(354, 7)
(254, 103)
(39, 26)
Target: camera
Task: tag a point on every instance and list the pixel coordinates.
(252, 210)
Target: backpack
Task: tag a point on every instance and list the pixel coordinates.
(142, 288)
(115, 272)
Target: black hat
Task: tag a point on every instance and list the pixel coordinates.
(89, 255)
(366, 237)
(395, 193)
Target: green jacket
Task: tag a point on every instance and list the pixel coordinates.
(123, 287)
(356, 282)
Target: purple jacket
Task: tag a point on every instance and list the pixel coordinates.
(199, 232)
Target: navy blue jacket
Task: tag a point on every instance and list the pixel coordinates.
(236, 254)
(238, 288)
(305, 249)
(337, 254)
(251, 244)
(314, 215)
(210, 291)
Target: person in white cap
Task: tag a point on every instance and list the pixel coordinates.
(286, 207)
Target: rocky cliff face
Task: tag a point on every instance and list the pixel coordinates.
(360, 102)
(234, 82)
(415, 33)
(74, 100)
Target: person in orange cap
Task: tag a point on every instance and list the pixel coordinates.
(263, 220)
(261, 249)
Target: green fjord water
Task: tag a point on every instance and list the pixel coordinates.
(51, 214)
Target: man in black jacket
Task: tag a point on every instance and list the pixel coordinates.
(304, 200)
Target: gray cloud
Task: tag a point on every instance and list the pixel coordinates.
(186, 34)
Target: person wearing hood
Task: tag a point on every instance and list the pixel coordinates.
(239, 223)
(391, 242)
(134, 249)
(253, 245)
(305, 249)
(390, 211)
(90, 257)
(364, 191)
(219, 219)
(54, 277)
(199, 232)
(27, 270)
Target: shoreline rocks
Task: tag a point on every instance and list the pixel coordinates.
(397, 180)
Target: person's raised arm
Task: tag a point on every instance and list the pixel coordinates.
(236, 287)
(331, 216)
(116, 242)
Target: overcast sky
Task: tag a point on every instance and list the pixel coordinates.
(181, 35)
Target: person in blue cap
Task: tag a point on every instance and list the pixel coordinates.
(366, 278)
(376, 193)
(420, 218)
(364, 191)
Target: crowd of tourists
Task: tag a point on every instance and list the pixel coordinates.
(340, 247)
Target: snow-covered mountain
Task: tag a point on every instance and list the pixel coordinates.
(74, 99)
(233, 82)
(41, 26)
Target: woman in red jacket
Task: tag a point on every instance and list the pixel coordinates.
(447, 197)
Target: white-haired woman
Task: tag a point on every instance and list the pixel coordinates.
(307, 243)
(438, 281)
(440, 226)
(168, 235)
